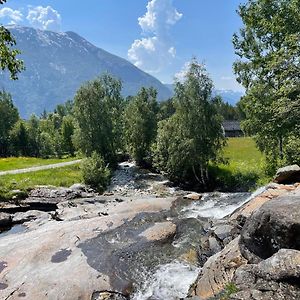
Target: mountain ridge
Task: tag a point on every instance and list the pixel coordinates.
(57, 64)
(230, 96)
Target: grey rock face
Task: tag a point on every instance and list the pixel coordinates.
(277, 277)
(289, 174)
(275, 226)
(219, 270)
(223, 231)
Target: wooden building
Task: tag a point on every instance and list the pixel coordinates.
(232, 129)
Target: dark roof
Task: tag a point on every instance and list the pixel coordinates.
(232, 125)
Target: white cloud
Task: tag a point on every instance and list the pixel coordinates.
(14, 16)
(180, 76)
(151, 54)
(44, 18)
(160, 15)
(154, 51)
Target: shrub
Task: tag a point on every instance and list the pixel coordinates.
(95, 173)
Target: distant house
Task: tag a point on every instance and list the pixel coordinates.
(232, 129)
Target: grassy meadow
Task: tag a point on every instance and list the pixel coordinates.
(14, 163)
(65, 176)
(245, 168)
(243, 172)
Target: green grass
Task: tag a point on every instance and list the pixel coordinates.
(13, 163)
(245, 168)
(65, 176)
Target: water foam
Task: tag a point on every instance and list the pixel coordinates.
(170, 281)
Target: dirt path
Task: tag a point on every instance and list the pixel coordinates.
(40, 168)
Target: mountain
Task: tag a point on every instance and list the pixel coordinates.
(58, 63)
(230, 96)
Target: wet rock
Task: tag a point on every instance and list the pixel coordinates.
(61, 255)
(5, 219)
(108, 296)
(214, 245)
(289, 174)
(223, 231)
(193, 196)
(160, 231)
(218, 271)
(274, 226)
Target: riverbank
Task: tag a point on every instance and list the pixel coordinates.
(143, 239)
(244, 171)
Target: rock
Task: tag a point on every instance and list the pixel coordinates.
(159, 231)
(223, 231)
(282, 266)
(214, 245)
(289, 174)
(108, 296)
(274, 226)
(83, 253)
(218, 271)
(272, 191)
(193, 196)
(119, 200)
(5, 219)
(273, 278)
(78, 187)
(27, 216)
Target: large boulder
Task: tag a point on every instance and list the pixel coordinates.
(274, 226)
(276, 278)
(289, 174)
(218, 271)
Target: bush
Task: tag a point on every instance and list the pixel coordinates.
(95, 173)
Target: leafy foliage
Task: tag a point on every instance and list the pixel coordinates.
(193, 136)
(20, 139)
(97, 110)
(8, 55)
(226, 110)
(9, 116)
(140, 118)
(269, 67)
(95, 173)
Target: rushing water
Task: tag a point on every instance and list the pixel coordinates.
(158, 271)
(170, 281)
(218, 205)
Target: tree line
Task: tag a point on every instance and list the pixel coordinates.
(179, 137)
(45, 136)
(183, 136)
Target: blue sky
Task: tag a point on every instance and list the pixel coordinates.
(159, 36)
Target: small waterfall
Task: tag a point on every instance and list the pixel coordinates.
(219, 205)
(171, 281)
